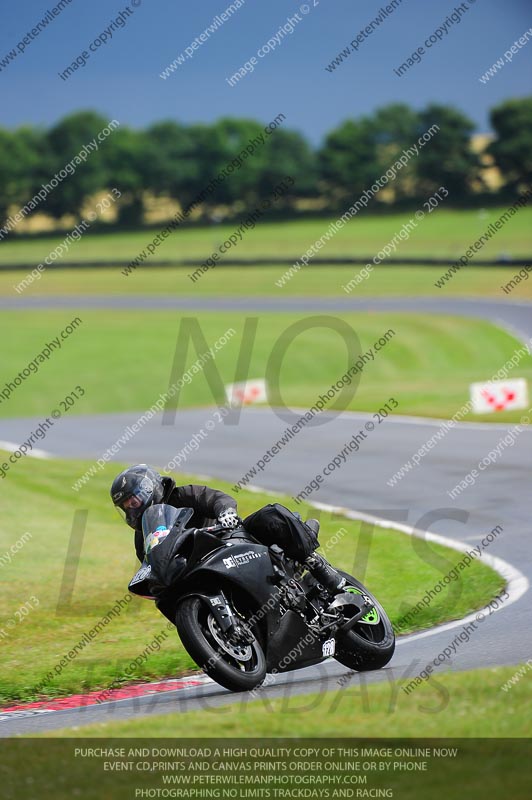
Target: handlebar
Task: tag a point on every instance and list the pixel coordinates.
(211, 529)
(214, 529)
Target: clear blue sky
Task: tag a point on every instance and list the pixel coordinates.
(122, 79)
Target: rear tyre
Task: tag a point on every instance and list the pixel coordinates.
(370, 644)
(237, 667)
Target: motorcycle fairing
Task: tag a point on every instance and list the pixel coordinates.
(251, 569)
(292, 646)
(141, 582)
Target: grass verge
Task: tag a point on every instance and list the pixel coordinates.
(445, 232)
(460, 704)
(323, 281)
(426, 365)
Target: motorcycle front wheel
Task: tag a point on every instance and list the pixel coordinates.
(238, 666)
(370, 643)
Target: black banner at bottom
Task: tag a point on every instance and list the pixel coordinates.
(295, 769)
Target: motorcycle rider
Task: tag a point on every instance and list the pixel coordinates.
(138, 487)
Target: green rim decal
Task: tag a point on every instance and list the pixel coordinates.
(373, 616)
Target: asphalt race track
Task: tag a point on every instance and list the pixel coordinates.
(500, 496)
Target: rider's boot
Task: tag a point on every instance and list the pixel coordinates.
(320, 569)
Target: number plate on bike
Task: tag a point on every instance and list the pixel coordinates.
(328, 647)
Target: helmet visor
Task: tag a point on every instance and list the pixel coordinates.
(131, 508)
(134, 499)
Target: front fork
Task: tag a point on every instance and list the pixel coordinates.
(230, 625)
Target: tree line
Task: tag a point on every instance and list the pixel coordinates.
(172, 160)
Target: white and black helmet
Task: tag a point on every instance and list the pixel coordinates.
(140, 482)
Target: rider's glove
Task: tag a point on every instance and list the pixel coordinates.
(229, 519)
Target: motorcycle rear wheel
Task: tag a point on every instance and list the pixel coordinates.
(369, 644)
(237, 667)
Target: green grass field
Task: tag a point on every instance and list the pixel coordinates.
(324, 281)
(443, 233)
(42, 504)
(468, 704)
(426, 366)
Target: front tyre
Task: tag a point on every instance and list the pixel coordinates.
(370, 644)
(238, 667)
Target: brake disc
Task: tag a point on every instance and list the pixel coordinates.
(240, 652)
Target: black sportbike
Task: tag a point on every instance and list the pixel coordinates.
(243, 609)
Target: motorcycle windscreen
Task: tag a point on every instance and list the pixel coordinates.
(165, 542)
(162, 518)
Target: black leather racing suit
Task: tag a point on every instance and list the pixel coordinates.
(207, 503)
